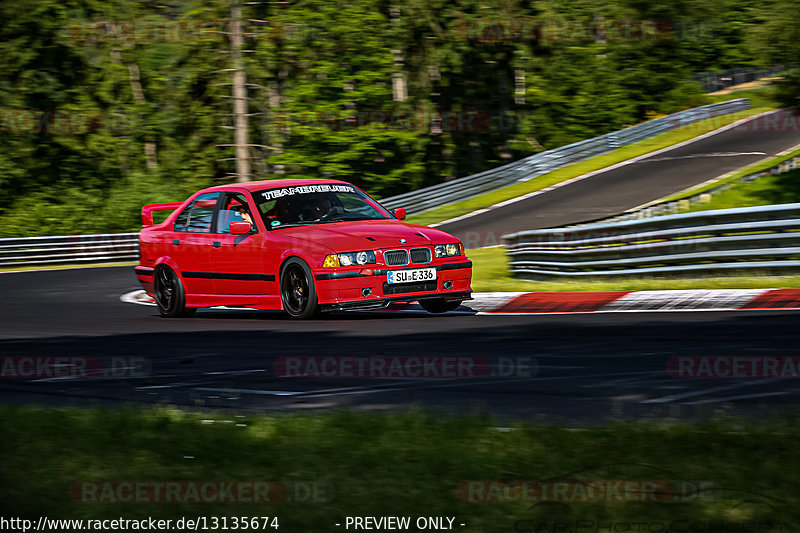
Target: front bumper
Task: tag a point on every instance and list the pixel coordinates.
(381, 303)
(367, 288)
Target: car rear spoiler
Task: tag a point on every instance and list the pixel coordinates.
(147, 211)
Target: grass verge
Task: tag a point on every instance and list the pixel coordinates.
(578, 169)
(767, 190)
(490, 273)
(713, 473)
(764, 95)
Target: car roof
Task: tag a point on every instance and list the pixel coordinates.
(270, 184)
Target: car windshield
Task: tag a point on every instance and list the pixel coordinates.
(315, 204)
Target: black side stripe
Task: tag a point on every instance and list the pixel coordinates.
(142, 271)
(382, 272)
(229, 275)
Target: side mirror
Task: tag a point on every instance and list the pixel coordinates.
(240, 227)
(400, 212)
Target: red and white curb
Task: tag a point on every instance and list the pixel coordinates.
(533, 303)
(653, 301)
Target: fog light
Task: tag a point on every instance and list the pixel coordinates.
(448, 285)
(366, 292)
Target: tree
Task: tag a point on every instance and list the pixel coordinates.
(775, 39)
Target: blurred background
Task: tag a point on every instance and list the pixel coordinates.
(105, 106)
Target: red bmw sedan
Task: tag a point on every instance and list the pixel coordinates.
(302, 246)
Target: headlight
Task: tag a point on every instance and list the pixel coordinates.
(356, 258)
(447, 250)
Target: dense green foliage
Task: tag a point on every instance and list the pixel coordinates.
(775, 40)
(105, 106)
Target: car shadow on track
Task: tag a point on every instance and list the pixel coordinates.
(388, 314)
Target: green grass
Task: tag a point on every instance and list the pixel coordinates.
(578, 169)
(490, 273)
(767, 190)
(402, 464)
(764, 96)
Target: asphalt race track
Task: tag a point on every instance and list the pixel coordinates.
(583, 368)
(625, 187)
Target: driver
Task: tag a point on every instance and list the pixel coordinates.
(242, 211)
(320, 207)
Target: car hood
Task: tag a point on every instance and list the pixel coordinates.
(368, 235)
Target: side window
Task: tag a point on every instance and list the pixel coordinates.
(198, 216)
(234, 209)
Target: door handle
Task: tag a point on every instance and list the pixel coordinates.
(176, 241)
(216, 244)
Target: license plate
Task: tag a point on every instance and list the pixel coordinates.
(411, 275)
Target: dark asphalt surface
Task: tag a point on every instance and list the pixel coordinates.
(617, 190)
(583, 368)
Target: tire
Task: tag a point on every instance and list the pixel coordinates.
(169, 294)
(298, 293)
(439, 305)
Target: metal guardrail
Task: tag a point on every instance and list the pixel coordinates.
(535, 165)
(70, 249)
(715, 80)
(762, 238)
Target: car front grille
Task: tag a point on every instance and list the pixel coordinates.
(396, 257)
(402, 288)
(420, 255)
